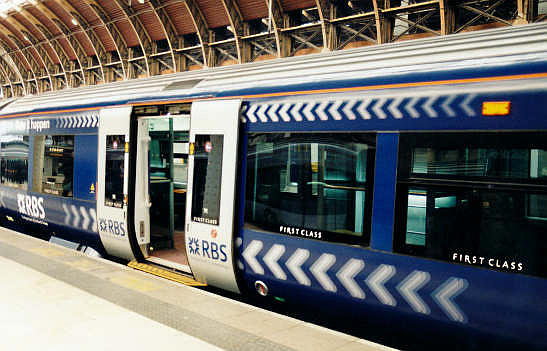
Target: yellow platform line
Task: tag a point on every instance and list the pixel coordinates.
(164, 273)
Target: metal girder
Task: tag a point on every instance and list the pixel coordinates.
(57, 48)
(8, 78)
(526, 10)
(169, 30)
(282, 41)
(384, 25)
(237, 23)
(14, 61)
(27, 63)
(90, 34)
(140, 31)
(448, 17)
(74, 44)
(37, 45)
(18, 36)
(327, 12)
(202, 31)
(357, 33)
(415, 25)
(485, 14)
(115, 35)
(477, 17)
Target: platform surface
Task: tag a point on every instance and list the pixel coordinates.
(55, 298)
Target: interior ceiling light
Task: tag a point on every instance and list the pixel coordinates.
(74, 22)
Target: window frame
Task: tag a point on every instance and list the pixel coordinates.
(9, 184)
(367, 138)
(407, 180)
(39, 158)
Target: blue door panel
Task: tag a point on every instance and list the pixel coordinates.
(85, 166)
(383, 209)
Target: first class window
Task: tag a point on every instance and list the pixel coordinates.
(114, 171)
(315, 186)
(475, 198)
(54, 164)
(14, 151)
(208, 153)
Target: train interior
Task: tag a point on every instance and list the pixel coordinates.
(167, 185)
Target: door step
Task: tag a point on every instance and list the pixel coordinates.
(165, 273)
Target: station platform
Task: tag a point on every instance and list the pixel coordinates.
(55, 298)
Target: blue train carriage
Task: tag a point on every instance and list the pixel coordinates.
(48, 176)
(392, 193)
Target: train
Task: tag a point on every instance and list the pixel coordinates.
(398, 187)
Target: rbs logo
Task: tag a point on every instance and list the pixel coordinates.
(208, 249)
(31, 206)
(113, 227)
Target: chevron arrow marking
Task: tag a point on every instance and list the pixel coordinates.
(362, 109)
(67, 215)
(319, 270)
(321, 111)
(410, 107)
(346, 276)
(297, 114)
(408, 289)
(334, 110)
(249, 254)
(272, 112)
(377, 108)
(283, 112)
(446, 106)
(348, 110)
(294, 264)
(94, 218)
(271, 258)
(261, 113)
(76, 220)
(376, 281)
(307, 112)
(428, 107)
(85, 223)
(250, 113)
(465, 105)
(394, 108)
(445, 294)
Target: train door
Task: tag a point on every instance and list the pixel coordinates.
(112, 181)
(161, 182)
(212, 170)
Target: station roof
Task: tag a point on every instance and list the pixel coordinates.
(48, 45)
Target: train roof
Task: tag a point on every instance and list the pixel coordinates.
(476, 50)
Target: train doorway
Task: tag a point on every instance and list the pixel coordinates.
(163, 160)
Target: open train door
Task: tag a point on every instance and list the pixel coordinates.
(212, 169)
(112, 181)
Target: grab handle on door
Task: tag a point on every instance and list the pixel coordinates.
(145, 169)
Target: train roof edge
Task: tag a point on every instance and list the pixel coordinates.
(500, 46)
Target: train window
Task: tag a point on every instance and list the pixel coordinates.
(114, 170)
(207, 178)
(14, 152)
(316, 186)
(54, 164)
(477, 199)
